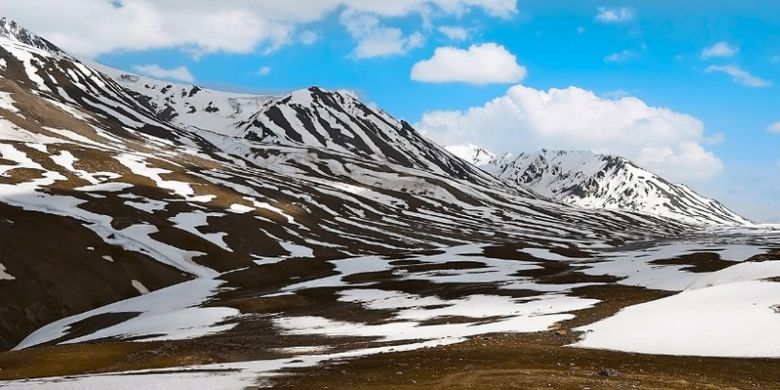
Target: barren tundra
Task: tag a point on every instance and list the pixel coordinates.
(160, 235)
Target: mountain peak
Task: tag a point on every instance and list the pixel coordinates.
(474, 154)
(600, 181)
(15, 33)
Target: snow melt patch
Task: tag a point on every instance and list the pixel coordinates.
(5, 275)
(139, 287)
(191, 220)
(172, 313)
(139, 166)
(7, 103)
(730, 320)
(530, 315)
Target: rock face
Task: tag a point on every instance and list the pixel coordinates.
(598, 181)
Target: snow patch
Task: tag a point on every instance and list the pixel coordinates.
(729, 320)
(172, 313)
(5, 275)
(139, 287)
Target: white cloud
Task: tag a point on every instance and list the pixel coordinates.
(720, 49)
(488, 63)
(614, 14)
(621, 56)
(715, 139)
(264, 71)
(375, 40)
(616, 94)
(308, 37)
(774, 128)
(179, 73)
(527, 119)
(455, 33)
(739, 76)
(93, 27)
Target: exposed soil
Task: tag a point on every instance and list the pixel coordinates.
(540, 361)
(698, 262)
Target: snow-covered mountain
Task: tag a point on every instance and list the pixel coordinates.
(135, 198)
(597, 181)
(190, 105)
(220, 229)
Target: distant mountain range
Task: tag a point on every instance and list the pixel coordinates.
(598, 181)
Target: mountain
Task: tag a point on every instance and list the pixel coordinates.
(189, 105)
(178, 237)
(597, 181)
(14, 34)
(136, 184)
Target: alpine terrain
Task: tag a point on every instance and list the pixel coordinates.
(598, 181)
(160, 235)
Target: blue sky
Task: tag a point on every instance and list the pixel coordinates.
(706, 73)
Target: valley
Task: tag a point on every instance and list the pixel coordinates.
(159, 235)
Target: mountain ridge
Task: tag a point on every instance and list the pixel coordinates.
(142, 199)
(599, 181)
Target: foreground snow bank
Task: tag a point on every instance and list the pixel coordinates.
(740, 319)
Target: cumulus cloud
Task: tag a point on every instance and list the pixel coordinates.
(94, 27)
(614, 14)
(527, 119)
(179, 73)
(720, 49)
(774, 128)
(488, 63)
(455, 33)
(376, 40)
(739, 75)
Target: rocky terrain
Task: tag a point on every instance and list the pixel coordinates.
(170, 236)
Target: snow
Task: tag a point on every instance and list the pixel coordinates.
(5, 275)
(138, 238)
(240, 209)
(7, 103)
(232, 107)
(545, 254)
(27, 56)
(474, 154)
(296, 250)
(637, 269)
(190, 221)
(527, 315)
(148, 205)
(740, 319)
(139, 286)
(105, 187)
(139, 166)
(741, 272)
(172, 313)
(594, 181)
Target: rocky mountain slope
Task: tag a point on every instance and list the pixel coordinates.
(175, 237)
(135, 198)
(597, 181)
